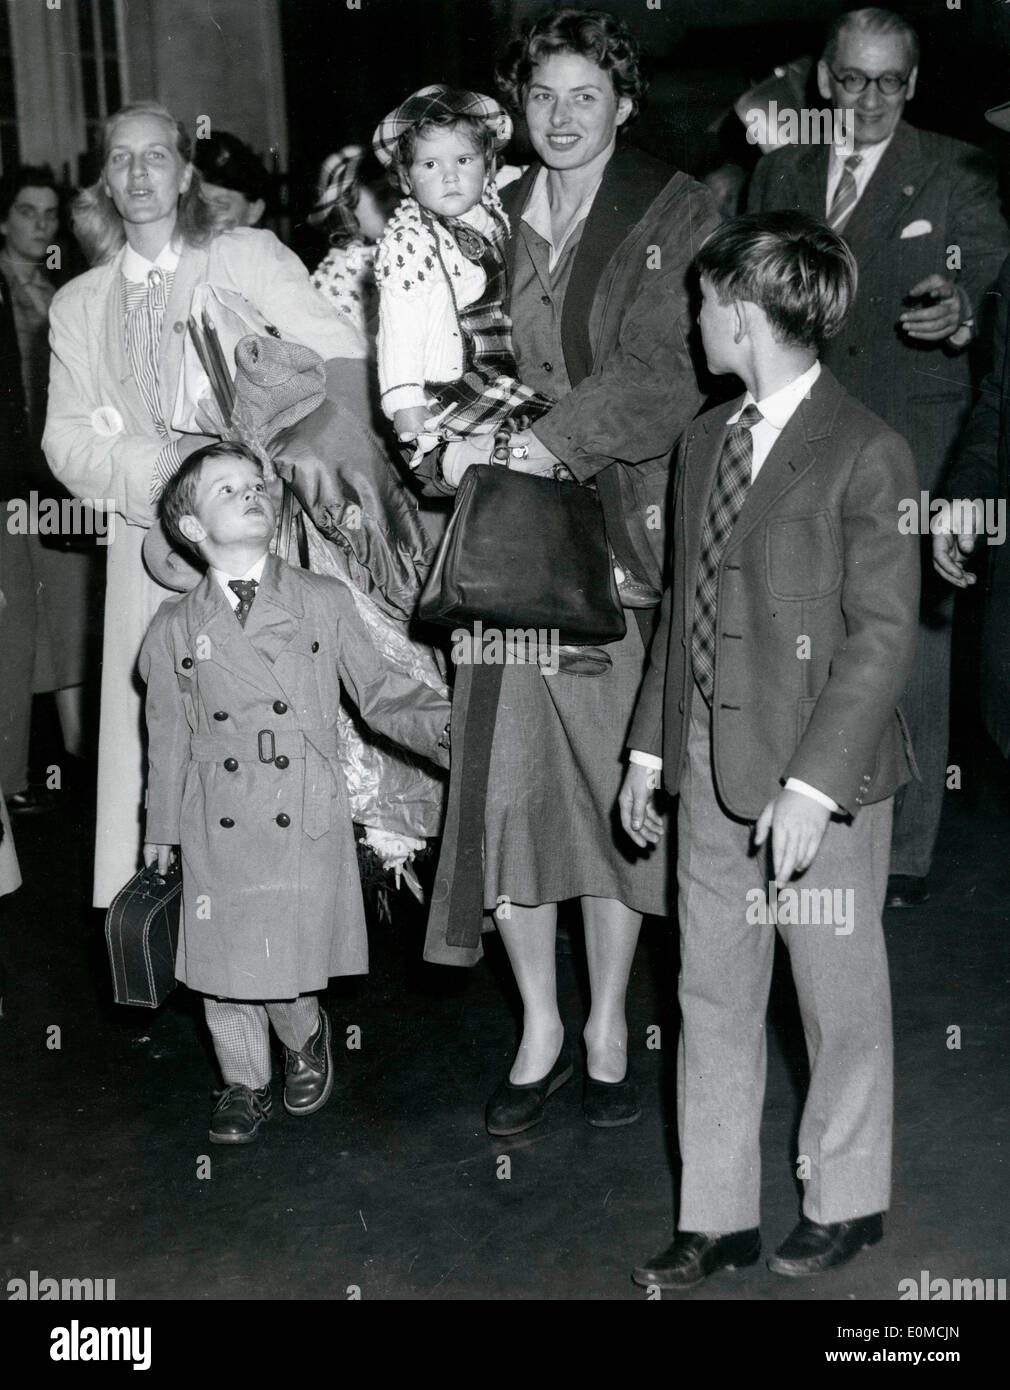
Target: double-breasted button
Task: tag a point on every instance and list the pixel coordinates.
(548, 366)
(220, 715)
(281, 761)
(283, 821)
(545, 299)
(227, 822)
(231, 764)
(315, 646)
(178, 326)
(280, 707)
(187, 663)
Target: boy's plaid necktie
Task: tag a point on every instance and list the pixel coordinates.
(732, 480)
(246, 591)
(845, 194)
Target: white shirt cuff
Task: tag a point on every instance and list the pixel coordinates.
(645, 759)
(793, 784)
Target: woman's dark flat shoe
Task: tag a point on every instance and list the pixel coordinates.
(610, 1103)
(514, 1108)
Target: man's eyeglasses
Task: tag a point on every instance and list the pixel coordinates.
(889, 84)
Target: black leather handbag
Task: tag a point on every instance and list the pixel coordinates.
(522, 551)
(142, 932)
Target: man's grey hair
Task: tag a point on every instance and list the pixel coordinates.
(871, 21)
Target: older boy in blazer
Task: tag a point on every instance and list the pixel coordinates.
(770, 704)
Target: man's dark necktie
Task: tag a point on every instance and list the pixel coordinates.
(246, 591)
(845, 194)
(732, 480)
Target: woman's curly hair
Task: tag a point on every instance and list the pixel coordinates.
(594, 34)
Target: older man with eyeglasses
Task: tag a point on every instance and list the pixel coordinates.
(921, 214)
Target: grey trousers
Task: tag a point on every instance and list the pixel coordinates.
(241, 1034)
(840, 971)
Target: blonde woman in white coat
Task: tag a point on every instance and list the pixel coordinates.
(117, 336)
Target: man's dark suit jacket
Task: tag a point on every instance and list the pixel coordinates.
(941, 193)
(982, 469)
(818, 596)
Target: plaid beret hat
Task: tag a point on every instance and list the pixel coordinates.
(227, 161)
(338, 183)
(439, 103)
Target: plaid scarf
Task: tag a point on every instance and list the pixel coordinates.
(487, 394)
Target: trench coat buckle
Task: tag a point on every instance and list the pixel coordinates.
(267, 734)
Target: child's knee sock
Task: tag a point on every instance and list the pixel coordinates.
(294, 1020)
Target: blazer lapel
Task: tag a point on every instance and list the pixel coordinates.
(212, 617)
(700, 465)
(896, 180)
(791, 455)
(514, 198)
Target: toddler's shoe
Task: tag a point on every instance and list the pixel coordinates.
(238, 1114)
(308, 1074)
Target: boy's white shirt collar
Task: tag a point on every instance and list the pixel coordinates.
(538, 213)
(254, 572)
(776, 412)
(136, 267)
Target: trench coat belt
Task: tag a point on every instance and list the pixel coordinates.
(316, 747)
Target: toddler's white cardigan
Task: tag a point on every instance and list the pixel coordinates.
(419, 334)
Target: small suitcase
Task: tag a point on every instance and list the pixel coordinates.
(142, 932)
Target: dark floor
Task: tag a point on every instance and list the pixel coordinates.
(395, 1187)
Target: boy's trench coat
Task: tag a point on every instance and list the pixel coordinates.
(244, 777)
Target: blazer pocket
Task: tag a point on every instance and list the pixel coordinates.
(918, 228)
(802, 558)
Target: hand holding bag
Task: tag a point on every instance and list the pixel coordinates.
(142, 933)
(525, 551)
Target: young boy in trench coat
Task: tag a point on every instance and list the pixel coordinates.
(243, 683)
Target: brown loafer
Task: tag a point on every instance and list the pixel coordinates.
(693, 1256)
(812, 1249)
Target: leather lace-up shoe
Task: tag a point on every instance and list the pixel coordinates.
(811, 1249)
(514, 1108)
(238, 1114)
(693, 1256)
(308, 1074)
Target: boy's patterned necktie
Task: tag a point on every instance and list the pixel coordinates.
(246, 591)
(845, 194)
(729, 493)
